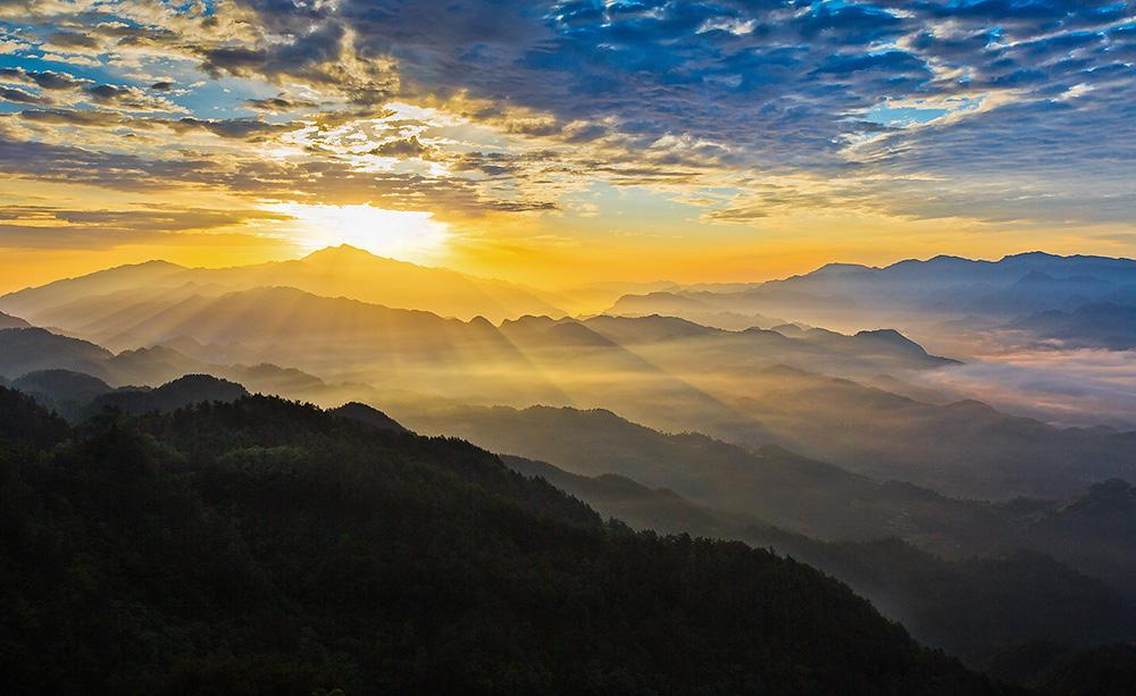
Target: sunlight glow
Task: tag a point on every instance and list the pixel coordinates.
(400, 234)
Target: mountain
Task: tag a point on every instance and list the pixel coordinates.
(724, 488)
(179, 393)
(369, 416)
(285, 325)
(965, 448)
(1014, 284)
(1100, 325)
(36, 301)
(108, 296)
(285, 321)
(24, 425)
(1108, 671)
(696, 309)
(915, 295)
(263, 546)
(153, 365)
(666, 372)
(67, 393)
(784, 489)
(59, 371)
(31, 349)
(10, 322)
(972, 607)
(1096, 530)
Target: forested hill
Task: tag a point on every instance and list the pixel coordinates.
(266, 547)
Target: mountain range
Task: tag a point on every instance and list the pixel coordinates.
(1090, 529)
(754, 387)
(263, 546)
(333, 272)
(977, 608)
(917, 295)
(967, 614)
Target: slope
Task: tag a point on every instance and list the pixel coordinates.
(316, 553)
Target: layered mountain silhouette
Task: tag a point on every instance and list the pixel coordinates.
(179, 393)
(731, 424)
(778, 486)
(666, 372)
(10, 322)
(741, 492)
(970, 607)
(660, 370)
(334, 272)
(916, 294)
(369, 416)
(24, 350)
(1098, 325)
(964, 448)
(269, 547)
(66, 392)
(791, 492)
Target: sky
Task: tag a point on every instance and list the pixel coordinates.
(560, 143)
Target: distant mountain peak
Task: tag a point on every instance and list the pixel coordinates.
(1032, 255)
(8, 321)
(340, 251)
(178, 393)
(889, 336)
(345, 253)
(837, 268)
(370, 416)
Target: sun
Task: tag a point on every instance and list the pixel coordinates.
(407, 235)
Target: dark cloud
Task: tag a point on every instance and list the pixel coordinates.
(408, 147)
(127, 98)
(69, 117)
(51, 227)
(19, 96)
(124, 97)
(72, 40)
(280, 104)
(44, 79)
(243, 128)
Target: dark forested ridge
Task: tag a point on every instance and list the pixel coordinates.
(266, 547)
(976, 608)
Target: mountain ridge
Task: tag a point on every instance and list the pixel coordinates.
(318, 553)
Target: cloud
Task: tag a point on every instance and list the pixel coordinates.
(66, 40)
(32, 227)
(280, 103)
(67, 117)
(19, 96)
(409, 147)
(45, 79)
(123, 97)
(1069, 388)
(243, 128)
(652, 92)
